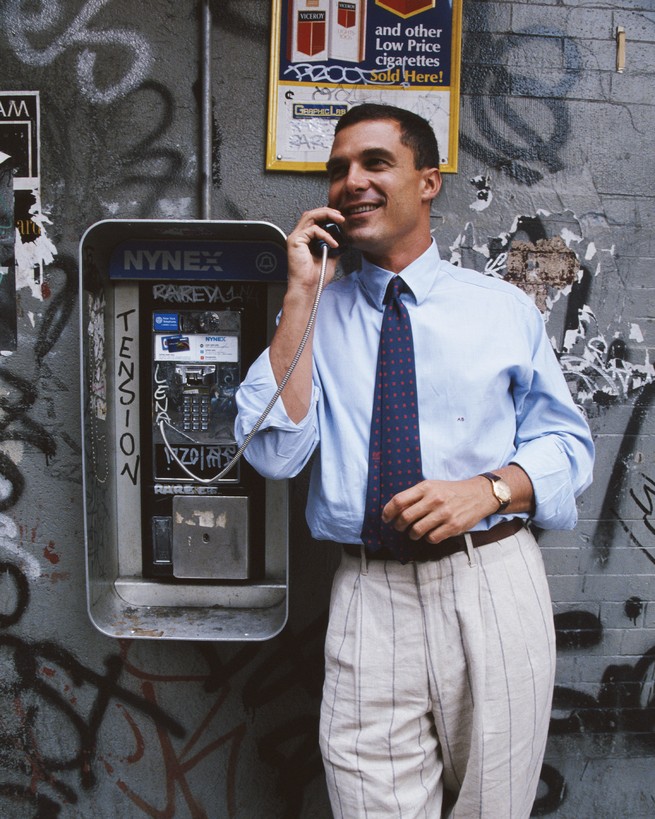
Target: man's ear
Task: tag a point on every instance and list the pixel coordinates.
(431, 183)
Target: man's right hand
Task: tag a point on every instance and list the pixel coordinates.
(304, 267)
(303, 276)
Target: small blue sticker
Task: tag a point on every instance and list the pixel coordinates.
(166, 322)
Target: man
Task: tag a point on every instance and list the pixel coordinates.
(440, 649)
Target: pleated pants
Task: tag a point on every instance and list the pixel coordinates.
(439, 681)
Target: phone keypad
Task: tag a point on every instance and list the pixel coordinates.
(196, 413)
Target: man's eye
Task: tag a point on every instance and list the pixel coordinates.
(335, 173)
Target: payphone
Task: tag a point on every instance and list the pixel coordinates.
(183, 541)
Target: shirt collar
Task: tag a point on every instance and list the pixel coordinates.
(419, 277)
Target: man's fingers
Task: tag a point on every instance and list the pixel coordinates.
(433, 510)
(401, 503)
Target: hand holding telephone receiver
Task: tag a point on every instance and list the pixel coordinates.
(316, 245)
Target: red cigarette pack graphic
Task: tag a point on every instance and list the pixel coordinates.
(308, 30)
(347, 29)
(405, 8)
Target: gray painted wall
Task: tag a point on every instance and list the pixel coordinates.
(554, 189)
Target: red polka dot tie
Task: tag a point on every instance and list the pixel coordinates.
(395, 448)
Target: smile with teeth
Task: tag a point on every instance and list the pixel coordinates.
(355, 209)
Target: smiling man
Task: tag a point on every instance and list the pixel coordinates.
(445, 427)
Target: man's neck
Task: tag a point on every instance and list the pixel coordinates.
(396, 262)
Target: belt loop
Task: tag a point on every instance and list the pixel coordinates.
(469, 550)
(363, 561)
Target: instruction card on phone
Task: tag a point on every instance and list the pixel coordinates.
(196, 347)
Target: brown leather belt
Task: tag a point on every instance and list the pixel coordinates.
(436, 551)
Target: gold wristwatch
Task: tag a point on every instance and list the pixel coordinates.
(501, 490)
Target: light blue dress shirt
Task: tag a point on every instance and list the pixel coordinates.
(490, 392)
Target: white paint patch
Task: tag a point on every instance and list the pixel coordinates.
(485, 195)
(9, 543)
(636, 334)
(570, 337)
(14, 450)
(174, 208)
(482, 204)
(205, 519)
(36, 253)
(569, 236)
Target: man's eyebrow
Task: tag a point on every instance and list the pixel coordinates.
(383, 152)
(367, 153)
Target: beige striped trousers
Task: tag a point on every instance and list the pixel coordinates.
(438, 686)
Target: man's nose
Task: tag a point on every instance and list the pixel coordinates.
(356, 180)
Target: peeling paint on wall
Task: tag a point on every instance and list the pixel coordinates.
(484, 193)
(538, 267)
(8, 335)
(547, 256)
(535, 254)
(32, 248)
(98, 359)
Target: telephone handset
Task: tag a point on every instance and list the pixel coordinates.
(316, 245)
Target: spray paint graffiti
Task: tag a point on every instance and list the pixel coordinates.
(610, 522)
(47, 685)
(625, 704)
(547, 256)
(520, 118)
(16, 426)
(282, 679)
(148, 169)
(29, 26)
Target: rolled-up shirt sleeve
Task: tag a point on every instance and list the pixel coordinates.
(553, 442)
(281, 448)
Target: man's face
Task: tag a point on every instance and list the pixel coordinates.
(385, 199)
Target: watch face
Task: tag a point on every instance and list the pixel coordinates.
(502, 491)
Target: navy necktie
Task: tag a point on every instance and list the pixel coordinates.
(394, 449)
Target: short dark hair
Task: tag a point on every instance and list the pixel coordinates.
(415, 132)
